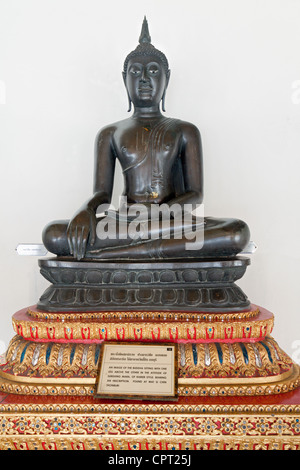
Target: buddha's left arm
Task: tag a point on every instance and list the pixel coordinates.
(192, 167)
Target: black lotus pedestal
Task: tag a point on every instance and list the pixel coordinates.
(92, 285)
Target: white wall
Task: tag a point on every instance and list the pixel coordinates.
(234, 65)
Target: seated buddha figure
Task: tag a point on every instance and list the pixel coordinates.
(161, 161)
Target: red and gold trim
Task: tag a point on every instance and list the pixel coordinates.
(134, 327)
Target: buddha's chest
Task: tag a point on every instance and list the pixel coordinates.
(152, 149)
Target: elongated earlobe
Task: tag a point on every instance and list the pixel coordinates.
(163, 102)
(164, 94)
(129, 100)
(129, 104)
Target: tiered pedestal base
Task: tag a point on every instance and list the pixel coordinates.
(236, 388)
(202, 423)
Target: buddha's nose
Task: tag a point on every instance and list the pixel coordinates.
(144, 76)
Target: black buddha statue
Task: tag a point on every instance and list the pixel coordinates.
(161, 160)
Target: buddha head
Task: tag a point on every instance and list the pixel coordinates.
(146, 73)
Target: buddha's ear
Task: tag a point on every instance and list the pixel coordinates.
(168, 77)
(129, 100)
(164, 94)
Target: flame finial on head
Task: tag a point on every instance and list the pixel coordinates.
(145, 36)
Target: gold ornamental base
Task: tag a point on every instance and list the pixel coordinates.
(214, 423)
(237, 390)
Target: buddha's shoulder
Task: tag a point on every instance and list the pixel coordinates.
(188, 128)
(109, 129)
(185, 127)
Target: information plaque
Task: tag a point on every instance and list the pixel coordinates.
(31, 249)
(144, 371)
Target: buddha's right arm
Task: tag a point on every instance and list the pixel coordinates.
(82, 226)
(104, 169)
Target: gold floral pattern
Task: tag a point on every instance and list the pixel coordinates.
(229, 431)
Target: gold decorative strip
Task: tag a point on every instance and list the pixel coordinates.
(90, 406)
(159, 443)
(87, 431)
(219, 381)
(143, 315)
(182, 383)
(68, 330)
(147, 425)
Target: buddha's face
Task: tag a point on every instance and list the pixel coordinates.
(145, 80)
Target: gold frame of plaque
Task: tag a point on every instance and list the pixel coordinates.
(142, 394)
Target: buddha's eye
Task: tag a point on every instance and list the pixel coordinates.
(153, 71)
(135, 71)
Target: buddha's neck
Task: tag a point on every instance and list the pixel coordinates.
(146, 113)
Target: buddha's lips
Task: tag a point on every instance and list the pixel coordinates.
(145, 88)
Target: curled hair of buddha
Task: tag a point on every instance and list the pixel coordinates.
(145, 48)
